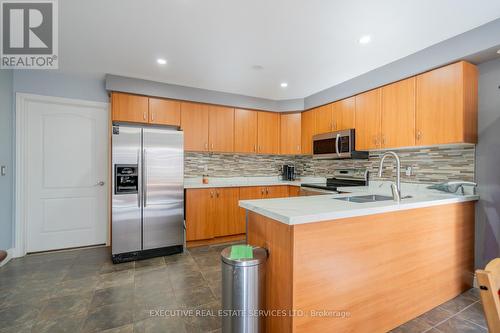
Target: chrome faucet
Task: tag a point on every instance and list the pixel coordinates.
(396, 188)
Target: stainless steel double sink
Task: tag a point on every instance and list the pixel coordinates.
(365, 198)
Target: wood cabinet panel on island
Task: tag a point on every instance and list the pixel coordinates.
(307, 131)
(368, 120)
(245, 129)
(362, 251)
(268, 132)
(447, 105)
(221, 129)
(164, 112)
(290, 128)
(129, 108)
(194, 123)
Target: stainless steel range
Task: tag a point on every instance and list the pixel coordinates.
(148, 192)
(341, 178)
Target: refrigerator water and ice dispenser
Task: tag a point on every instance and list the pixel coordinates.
(127, 178)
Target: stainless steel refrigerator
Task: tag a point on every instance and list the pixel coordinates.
(148, 192)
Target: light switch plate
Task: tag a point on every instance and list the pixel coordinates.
(3, 170)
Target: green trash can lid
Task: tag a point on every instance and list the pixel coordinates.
(243, 255)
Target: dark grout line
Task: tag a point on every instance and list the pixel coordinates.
(454, 315)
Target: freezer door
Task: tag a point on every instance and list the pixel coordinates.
(163, 200)
(126, 192)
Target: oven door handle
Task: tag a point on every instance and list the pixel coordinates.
(337, 140)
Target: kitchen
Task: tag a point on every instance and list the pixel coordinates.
(124, 180)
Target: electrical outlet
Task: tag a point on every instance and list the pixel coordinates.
(409, 171)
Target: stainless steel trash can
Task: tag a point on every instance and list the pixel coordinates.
(243, 281)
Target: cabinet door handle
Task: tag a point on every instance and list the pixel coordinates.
(255, 148)
(217, 194)
(267, 191)
(262, 191)
(206, 146)
(211, 194)
(144, 115)
(152, 116)
(419, 135)
(383, 139)
(298, 148)
(212, 146)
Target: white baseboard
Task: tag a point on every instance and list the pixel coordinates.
(10, 253)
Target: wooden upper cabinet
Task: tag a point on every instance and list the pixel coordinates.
(323, 119)
(343, 114)
(307, 131)
(398, 114)
(268, 132)
(447, 105)
(368, 119)
(221, 129)
(129, 108)
(290, 133)
(164, 112)
(194, 123)
(200, 223)
(245, 131)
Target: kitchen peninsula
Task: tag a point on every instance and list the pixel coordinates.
(380, 264)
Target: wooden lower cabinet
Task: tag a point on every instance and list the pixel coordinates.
(199, 221)
(261, 192)
(293, 191)
(280, 191)
(212, 213)
(226, 218)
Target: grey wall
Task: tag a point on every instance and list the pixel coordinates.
(6, 182)
(41, 82)
(51, 83)
(474, 45)
(487, 164)
(166, 90)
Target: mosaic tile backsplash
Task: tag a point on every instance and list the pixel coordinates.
(429, 165)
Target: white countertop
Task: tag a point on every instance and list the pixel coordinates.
(247, 181)
(308, 209)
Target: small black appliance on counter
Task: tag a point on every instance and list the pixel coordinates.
(288, 172)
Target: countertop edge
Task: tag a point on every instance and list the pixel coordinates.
(354, 213)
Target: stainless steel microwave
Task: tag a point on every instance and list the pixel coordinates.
(337, 145)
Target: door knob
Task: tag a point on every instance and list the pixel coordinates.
(100, 183)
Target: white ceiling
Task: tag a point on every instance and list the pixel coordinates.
(213, 44)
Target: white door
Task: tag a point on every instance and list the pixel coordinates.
(66, 173)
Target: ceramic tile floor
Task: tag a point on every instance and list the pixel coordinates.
(82, 291)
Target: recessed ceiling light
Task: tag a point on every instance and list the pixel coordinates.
(365, 39)
(284, 84)
(161, 61)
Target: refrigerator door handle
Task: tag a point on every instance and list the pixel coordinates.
(145, 181)
(139, 192)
